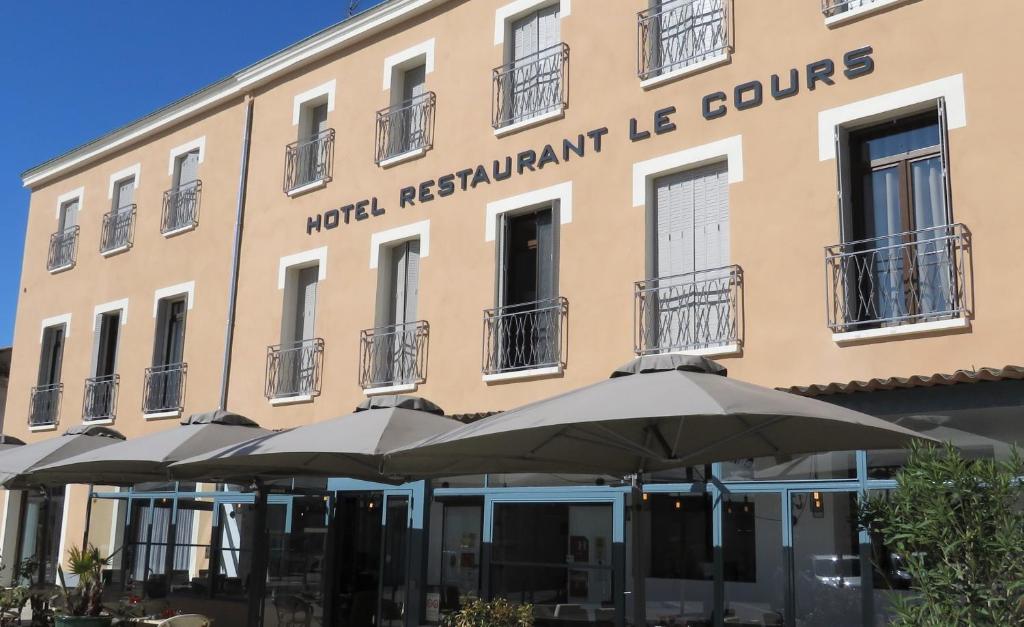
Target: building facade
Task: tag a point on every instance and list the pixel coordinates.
(487, 203)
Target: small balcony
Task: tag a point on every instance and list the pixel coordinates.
(44, 408)
(696, 312)
(393, 357)
(675, 36)
(118, 230)
(63, 249)
(836, 8)
(181, 208)
(99, 399)
(532, 88)
(525, 337)
(164, 389)
(309, 163)
(294, 371)
(405, 129)
(900, 279)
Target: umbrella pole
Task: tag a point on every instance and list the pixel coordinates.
(260, 557)
(638, 539)
(88, 517)
(43, 536)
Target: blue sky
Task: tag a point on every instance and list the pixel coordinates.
(76, 69)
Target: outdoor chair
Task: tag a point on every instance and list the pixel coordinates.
(293, 611)
(186, 620)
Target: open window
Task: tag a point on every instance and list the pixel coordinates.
(64, 243)
(100, 394)
(165, 380)
(46, 395)
(181, 202)
(676, 37)
(119, 222)
(309, 160)
(901, 260)
(293, 366)
(405, 128)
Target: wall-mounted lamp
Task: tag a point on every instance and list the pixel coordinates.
(817, 505)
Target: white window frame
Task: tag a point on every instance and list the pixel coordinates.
(196, 144)
(298, 261)
(188, 289)
(505, 15)
(892, 104)
(560, 194)
(54, 321)
(420, 54)
(729, 149)
(392, 237)
(75, 194)
(115, 305)
(875, 6)
(131, 172)
(287, 273)
(313, 97)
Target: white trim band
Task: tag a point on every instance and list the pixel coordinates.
(729, 149)
(403, 58)
(561, 193)
(301, 260)
(187, 288)
(917, 328)
(53, 321)
(519, 8)
(77, 193)
(198, 143)
(113, 305)
(886, 105)
(327, 89)
(132, 171)
(416, 230)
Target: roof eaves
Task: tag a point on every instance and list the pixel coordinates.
(305, 51)
(1005, 373)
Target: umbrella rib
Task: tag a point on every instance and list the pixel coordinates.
(762, 436)
(623, 442)
(732, 437)
(679, 435)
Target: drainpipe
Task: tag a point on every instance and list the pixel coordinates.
(236, 253)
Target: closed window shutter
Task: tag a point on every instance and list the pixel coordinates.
(524, 37)
(412, 279)
(69, 215)
(414, 82)
(547, 27)
(545, 256)
(51, 356)
(188, 168)
(125, 193)
(397, 277)
(692, 220)
(306, 302)
(160, 341)
(318, 120)
(944, 148)
(97, 346)
(176, 332)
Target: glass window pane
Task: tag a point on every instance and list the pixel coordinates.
(826, 559)
(838, 465)
(453, 562)
(294, 594)
(753, 560)
(680, 567)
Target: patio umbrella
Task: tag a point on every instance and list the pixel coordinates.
(17, 464)
(347, 446)
(9, 442)
(146, 458)
(657, 412)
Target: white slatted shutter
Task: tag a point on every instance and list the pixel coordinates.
(69, 214)
(412, 280)
(306, 303)
(188, 168)
(124, 194)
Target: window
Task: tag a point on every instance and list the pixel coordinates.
(181, 202)
(676, 35)
(165, 380)
(531, 84)
(681, 564)
(119, 222)
(525, 330)
(407, 125)
(293, 367)
(64, 243)
(100, 397)
(901, 257)
(308, 161)
(689, 301)
(46, 395)
(42, 514)
(394, 353)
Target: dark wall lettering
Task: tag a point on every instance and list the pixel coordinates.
(741, 98)
(709, 112)
(662, 123)
(500, 175)
(778, 92)
(596, 135)
(567, 146)
(464, 177)
(361, 210)
(820, 71)
(480, 176)
(312, 224)
(525, 160)
(858, 62)
(374, 209)
(547, 156)
(425, 194)
(332, 218)
(406, 195)
(636, 135)
(446, 185)
(346, 210)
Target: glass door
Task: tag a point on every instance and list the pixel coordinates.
(394, 561)
(753, 559)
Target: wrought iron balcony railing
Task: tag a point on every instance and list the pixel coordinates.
(295, 369)
(63, 249)
(679, 33)
(393, 355)
(525, 336)
(118, 229)
(181, 207)
(835, 7)
(531, 86)
(164, 388)
(688, 312)
(99, 401)
(918, 276)
(405, 127)
(44, 408)
(309, 161)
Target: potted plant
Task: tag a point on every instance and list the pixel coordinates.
(83, 606)
(496, 613)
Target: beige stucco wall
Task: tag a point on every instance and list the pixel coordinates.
(782, 214)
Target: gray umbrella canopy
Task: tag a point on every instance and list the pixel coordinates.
(9, 441)
(146, 458)
(17, 464)
(352, 445)
(654, 413)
